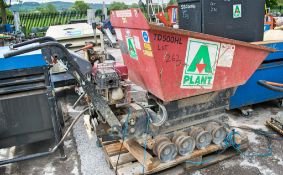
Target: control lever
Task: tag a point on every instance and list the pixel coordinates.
(88, 46)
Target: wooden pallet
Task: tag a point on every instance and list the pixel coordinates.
(132, 158)
(274, 126)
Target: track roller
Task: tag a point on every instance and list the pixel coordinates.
(202, 138)
(217, 131)
(184, 143)
(164, 149)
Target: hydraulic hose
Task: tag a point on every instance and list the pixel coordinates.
(78, 100)
(272, 86)
(69, 129)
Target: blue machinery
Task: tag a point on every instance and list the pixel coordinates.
(270, 70)
(30, 60)
(28, 109)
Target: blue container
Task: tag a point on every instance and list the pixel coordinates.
(8, 28)
(271, 70)
(266, 27)
(28, 60)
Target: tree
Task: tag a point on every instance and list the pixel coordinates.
(3, 10)
(171, 2)
(80, 6)
(271, 3)
(49, 8)
(135, 5)
(98, 12)
(118, 6)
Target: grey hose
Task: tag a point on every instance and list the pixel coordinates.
(79, 99)
(69, 129)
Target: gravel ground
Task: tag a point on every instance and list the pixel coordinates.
(272, 165)
(91, 157)
(84, 157)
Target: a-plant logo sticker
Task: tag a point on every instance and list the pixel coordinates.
(237, 11)
(200, 64)
(131, 48)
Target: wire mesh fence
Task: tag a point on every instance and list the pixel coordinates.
(30, 20)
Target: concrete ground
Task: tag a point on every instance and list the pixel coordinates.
(84, 157)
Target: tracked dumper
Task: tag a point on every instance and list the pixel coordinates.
(189, 78)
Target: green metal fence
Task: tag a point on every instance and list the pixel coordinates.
(30, 20)
(277, 9)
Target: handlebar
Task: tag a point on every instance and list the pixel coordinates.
(40, 40)
(78, 67)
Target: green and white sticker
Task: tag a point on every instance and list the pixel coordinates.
(132, 48)
(201, 60)
(237, 11)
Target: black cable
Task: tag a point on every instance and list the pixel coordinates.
(262, 133)
(269, 136)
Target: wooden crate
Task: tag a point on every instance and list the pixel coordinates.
(133, 157)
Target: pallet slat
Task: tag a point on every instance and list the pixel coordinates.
(124, 158)
(273, 126)
(114, 149)
(130, 169)
(138, 152)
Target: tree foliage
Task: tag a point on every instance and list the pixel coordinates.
(8, 12)
(98, 12)
(3, 10)
(118, 6)
(171, 2)
(134, 5)
(271, 3)
(49, 8)
(80, 6)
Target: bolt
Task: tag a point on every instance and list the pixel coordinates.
(202, 139)
(167, 151)
(185, 145)
(132, 130)
(132, 122)
(217, 133)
